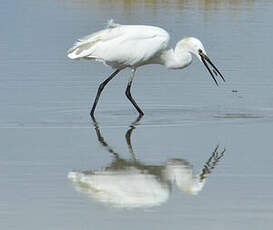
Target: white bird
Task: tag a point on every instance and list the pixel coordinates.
(130, 183)
(122, 46)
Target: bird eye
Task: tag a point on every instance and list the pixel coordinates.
(200, 51)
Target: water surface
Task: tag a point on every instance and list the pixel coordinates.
(171, 153)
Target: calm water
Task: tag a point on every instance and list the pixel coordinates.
(200, 158)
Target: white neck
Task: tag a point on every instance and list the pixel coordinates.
(175, 59)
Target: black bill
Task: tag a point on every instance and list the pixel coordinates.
(215, 71)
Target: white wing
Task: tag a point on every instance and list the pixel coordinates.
(85, 45)
(122, 45)
(128, 188)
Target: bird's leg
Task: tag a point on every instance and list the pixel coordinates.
(101, 139)
(128, 93)
(128, 137)
(101, 87)
(128, 140)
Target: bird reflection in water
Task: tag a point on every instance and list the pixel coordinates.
(133, 184)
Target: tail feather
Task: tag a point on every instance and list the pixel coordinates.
(83, 47)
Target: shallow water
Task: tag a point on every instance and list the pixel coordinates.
(136, 174)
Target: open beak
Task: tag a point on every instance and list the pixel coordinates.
(215, 71)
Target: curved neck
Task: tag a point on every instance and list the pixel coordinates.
(176, 59)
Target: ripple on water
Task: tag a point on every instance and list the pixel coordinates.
(238, 115)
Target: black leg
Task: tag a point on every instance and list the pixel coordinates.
(129, 96)
(101, 87)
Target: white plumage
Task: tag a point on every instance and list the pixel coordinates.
(130, 183)
(122, 46)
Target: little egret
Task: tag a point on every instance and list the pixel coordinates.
(122, 46)
(131, 183)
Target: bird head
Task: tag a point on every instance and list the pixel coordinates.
(195, 47)
(192, 45)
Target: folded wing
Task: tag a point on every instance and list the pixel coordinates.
(122, 45)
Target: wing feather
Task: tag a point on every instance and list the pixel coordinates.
(83, 46)
(122, 45)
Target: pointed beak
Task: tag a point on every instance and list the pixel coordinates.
(214, 71)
